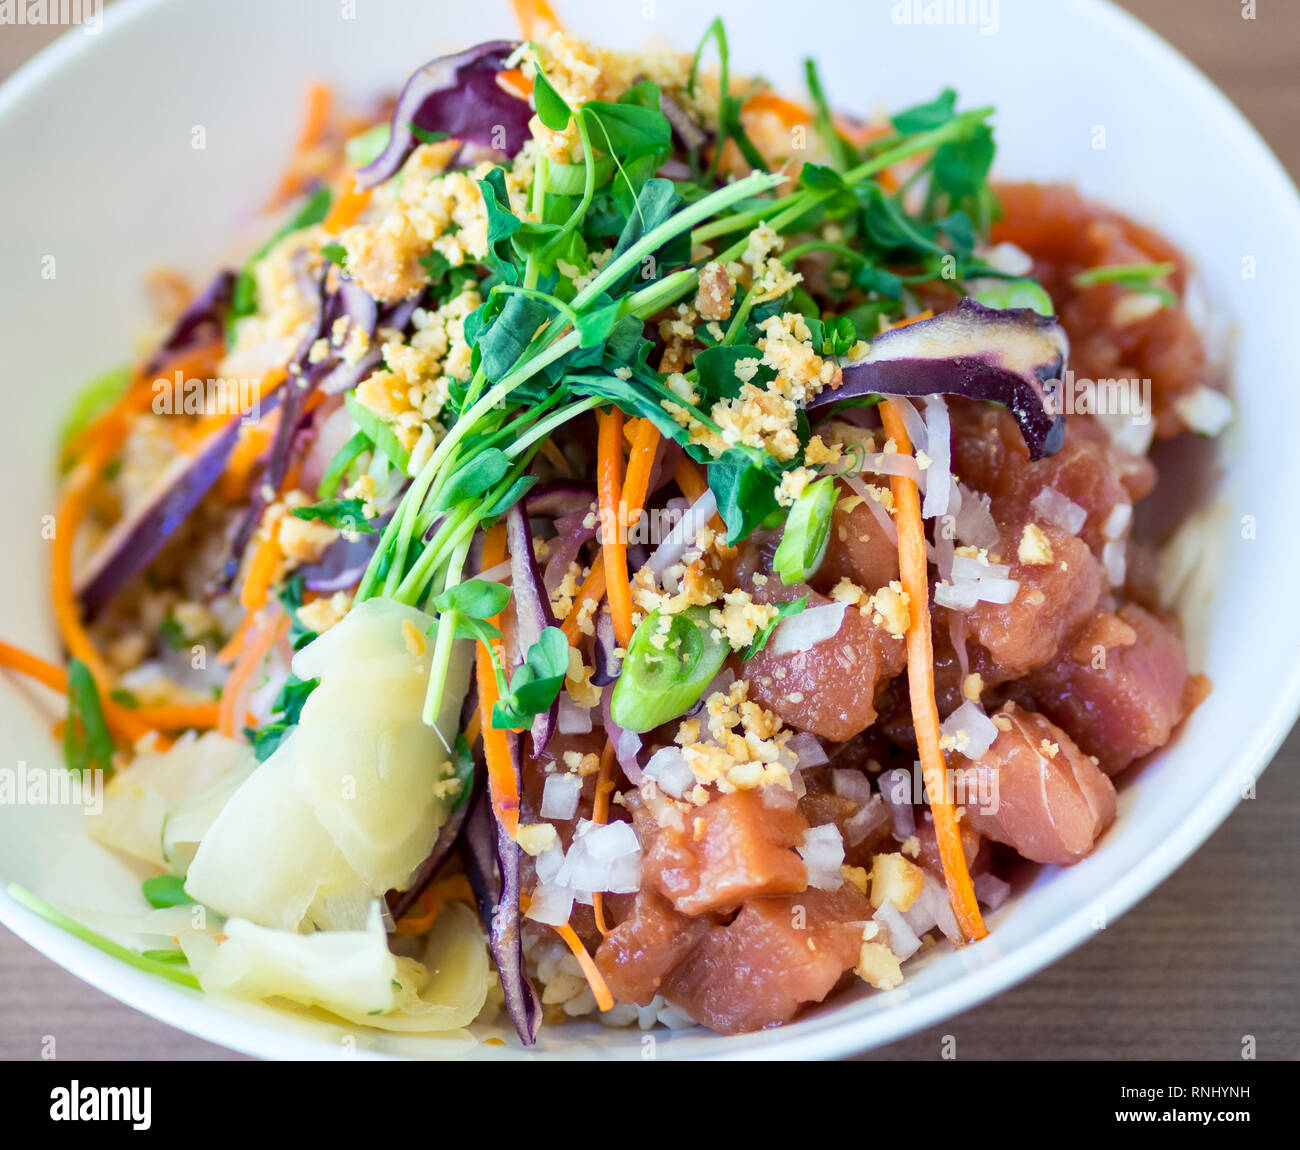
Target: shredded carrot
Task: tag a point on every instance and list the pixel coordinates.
(320, 103)
(927, 314)
(787, 111)
(503, 781)
(230, 652)
(590, 971)
(68, 514)
(535, 18)
(591, 591)
(516, 82)
(600, 816)
(250, 659)
(920, 677)
(182, 716)
(254, 441)
(432, 898)
(262, 569)
(693, 485)
(690, 479)
(473, 729)
(609, 491)
(640, 466)
(349, 202)
(127, 724)
(556, 457)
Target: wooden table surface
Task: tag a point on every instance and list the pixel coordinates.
(1205, 960)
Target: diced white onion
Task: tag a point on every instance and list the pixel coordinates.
(602, 858)
(903, 940)
(552, 905)
(570, 718)
(896, 791)
(822, 851)
(966, 567)
(1006, 257)
(975, 524)
(1054, 507)
(1114, 560)
(991, 890)
(549, 862)
(807, 749)
(873, 815)
(978, 727)
(1117, 521)
(560, 796)
(851, 785)
(1205, 410)
(669, 768)
(806, 629)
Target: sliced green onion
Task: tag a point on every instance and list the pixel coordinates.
(379, 433)
(670, 662)
(807, 532)
(164, 890)
(92, 401)
(98, 941)
(571, 179)
(344, 458)
(363, 149)
(1014, 293)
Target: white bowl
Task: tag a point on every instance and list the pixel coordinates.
(101, 175)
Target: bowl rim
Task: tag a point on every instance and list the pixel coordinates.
(824, 1036)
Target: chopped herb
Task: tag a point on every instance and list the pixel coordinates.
(87, 742)
(783, 611)
(342, 514)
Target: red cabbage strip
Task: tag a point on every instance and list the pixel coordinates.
(203, 320)
(135, 541)
(532, 609)
(459, 96)
(607, 665)
(332, 375)
(1013, 356)
(492, 866)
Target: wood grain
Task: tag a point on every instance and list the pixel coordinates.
(1203, 962)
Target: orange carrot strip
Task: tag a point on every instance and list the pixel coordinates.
(600, 816)
(535, 18)
(449, 889)
(261, 573)
(640, 466)
(68, 514)
(591, 591)
(503, 781)
(473, 729)
(349, 202)
(516, 82)
(182, 716)
(320, 102)
(920, 677)
(690, 479)
(787, 111)
(595, 979)
(609, 490)
(250, 659)
(127, 723)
